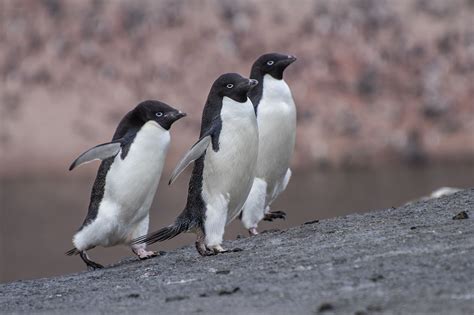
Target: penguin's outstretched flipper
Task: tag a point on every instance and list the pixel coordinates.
(100, 152)
(196, 151)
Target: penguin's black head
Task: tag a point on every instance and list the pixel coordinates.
(160, 112)
(273, 64)
(234, 86)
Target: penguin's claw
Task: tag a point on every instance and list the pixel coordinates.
(91, 265)
(220, 250)
(142, 253)
(253, 231)
(203, 250)
(147, 254)
(94, 266)
(272, 215)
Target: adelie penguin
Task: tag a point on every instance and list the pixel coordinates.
(126, 181)
(225, 159)
(276, 117)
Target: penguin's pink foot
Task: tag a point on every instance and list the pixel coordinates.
(272, 215)
(253, 231)
(143, 254)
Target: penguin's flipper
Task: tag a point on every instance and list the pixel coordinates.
(196, 151)
(100, 152)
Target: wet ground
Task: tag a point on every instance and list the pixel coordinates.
(406, 260)
(39, 214)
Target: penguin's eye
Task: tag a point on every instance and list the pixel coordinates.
(270, 62)
(159, 114)
(229, 86)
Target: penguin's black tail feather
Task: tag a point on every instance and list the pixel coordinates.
(161, 235)
(73, 251)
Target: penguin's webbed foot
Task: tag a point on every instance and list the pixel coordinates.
(143, 254)
(91, 265)
(253, 231)
(272, 215)
(203, 250)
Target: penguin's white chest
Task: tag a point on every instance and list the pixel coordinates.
(228, 173)
(131, 182)
(276, 116)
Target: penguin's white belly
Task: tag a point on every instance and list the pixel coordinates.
(228, 173)
(277, 130)
(130, 187)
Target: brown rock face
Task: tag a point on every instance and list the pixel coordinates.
(375, 81)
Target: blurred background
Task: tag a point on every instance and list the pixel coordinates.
(384, 91)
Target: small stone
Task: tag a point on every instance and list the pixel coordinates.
(461, 216)
(133, 295)
(176, 298)
(229, 292)
(311, 222)
(325, 307)
(222, 272)
(376, 278)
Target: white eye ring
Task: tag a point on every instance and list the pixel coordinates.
(229, 86)
(271, 62)
(159, 114)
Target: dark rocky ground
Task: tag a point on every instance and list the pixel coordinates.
(412, 259)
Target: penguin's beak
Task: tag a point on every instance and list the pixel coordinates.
(288, 61)
(177, 115)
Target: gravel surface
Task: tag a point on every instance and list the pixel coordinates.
(412, 259)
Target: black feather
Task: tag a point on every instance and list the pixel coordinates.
(72, 252)
(161, 235)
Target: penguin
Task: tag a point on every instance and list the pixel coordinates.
(126, 181)
(225, 158)
(276, 117)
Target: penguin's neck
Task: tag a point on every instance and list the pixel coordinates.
(233, 110)
(275, 90)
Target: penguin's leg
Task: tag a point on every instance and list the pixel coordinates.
(85, 239)
(272, 215)
(214, 225)
(91, 265)
(252, 212)
(140, 249)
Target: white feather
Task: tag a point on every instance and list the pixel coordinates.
(130, 187)
(276, 116)
(228, 174)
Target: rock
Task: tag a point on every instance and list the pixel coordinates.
(287, 273)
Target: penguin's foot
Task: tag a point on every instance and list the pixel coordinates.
(143, 254)
(91, 265)
(253, 231)
(203, 250)
(272, 215)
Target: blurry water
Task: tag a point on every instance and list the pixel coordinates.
(40, 215)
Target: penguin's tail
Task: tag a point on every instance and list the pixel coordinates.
(72, 252)
(161, 235)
